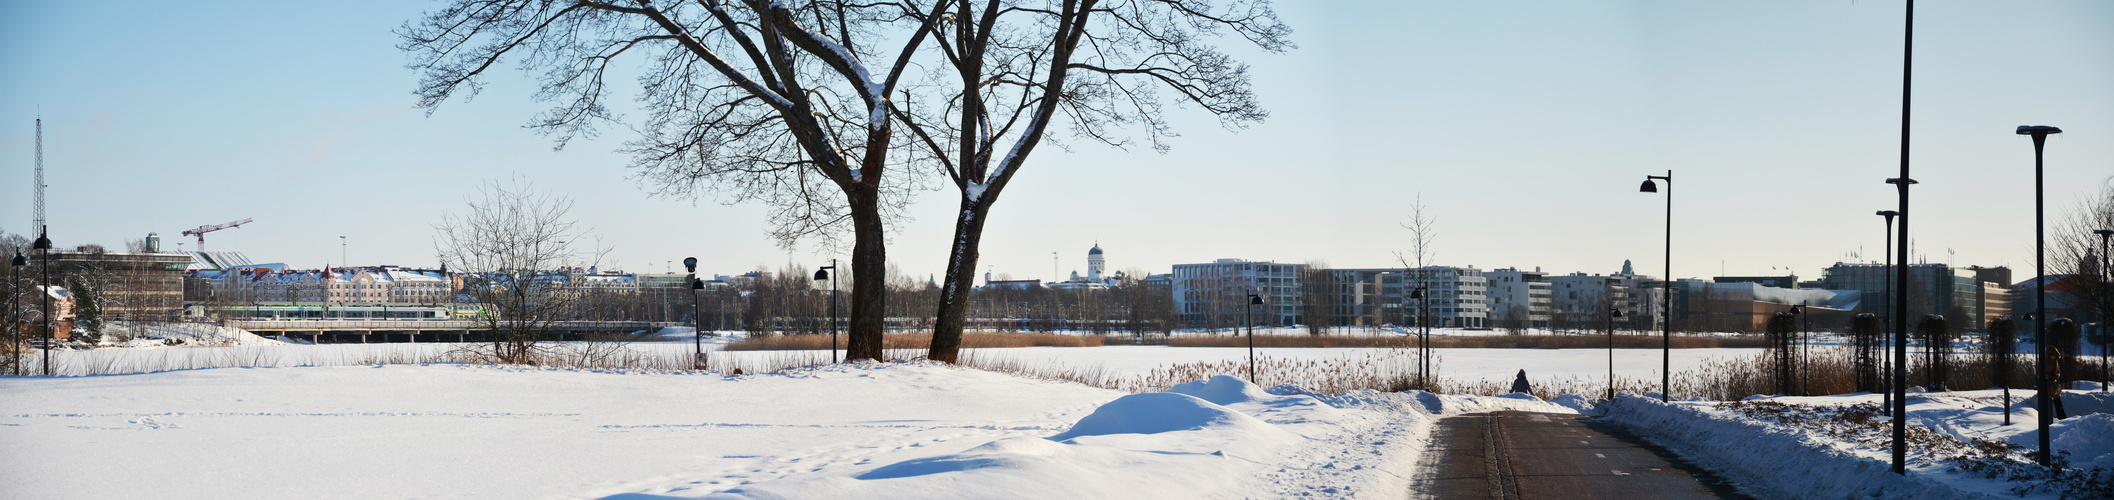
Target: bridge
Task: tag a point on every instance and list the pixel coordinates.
(425, 330)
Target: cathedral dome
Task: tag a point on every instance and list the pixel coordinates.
(1095, 251)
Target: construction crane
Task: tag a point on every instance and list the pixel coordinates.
(202, 230)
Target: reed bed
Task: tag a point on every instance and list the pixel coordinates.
(916, 341)
(1474, 342)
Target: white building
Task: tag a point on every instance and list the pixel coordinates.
(1095, 265)
(1519, 299)
(1459, 296)
(1215, 295)
(1580, 300)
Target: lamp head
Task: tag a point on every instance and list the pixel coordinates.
(1798, 309)
(1648, 187)
(1416, 294)
(821, 274)
(1615, 313)
(690, 263)
(2038, 130)
(697, 284)
(42, 242)
(1255, 300)
(2103, 232)
(1889, 214)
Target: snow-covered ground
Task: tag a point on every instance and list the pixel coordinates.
(891, 430)
(1476, 365)
(1841, 446)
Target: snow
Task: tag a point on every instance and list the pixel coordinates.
(162, 334)
(323, 421)
(1841, 457)
(870, 430)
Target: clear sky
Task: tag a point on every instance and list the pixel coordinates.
(1525, 125)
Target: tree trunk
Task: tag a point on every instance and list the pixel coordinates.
(961, 275)
(869, 274)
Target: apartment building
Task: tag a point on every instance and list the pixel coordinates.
(1215, 294)
(1519, 299)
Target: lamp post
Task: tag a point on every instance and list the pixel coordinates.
(2040, 290)
(1614, 313)
(825, 274)
(1423, 337)
(1666, 339)
(1900, 298)
(1885, 315)
(14, 321)
(1804, 377)
(1247, 319)
(2106, 306)
(690, 264)
(44, 243)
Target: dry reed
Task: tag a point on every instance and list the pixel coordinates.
(916, 341)
(1474, 342)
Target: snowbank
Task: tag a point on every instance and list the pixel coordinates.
(1221, 437)
(1767, 458)
(1840, 446)
(164, 334)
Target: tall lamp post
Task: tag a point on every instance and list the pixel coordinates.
(1614, 313)
(1900, 298)
(44, 243)
(2040, 290)
(1885, 315)
(690, 264)
(1666, 339)
(14, 297)
(2106, 305)
(825, 274)
(1248, 319)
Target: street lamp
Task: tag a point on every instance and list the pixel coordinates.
(44, 243)
(14, 297)
(2106, 306)
(690, 264)
(1804, 378)
(1666, 342)
(1614, 313)
(2040, 290)
(1424, 335)
(1248, 320)
(1886, 316)
(825, 274)
(1900, 407)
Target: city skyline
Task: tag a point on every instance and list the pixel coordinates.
(1526, 130)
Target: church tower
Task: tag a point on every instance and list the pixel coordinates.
(1094, 264)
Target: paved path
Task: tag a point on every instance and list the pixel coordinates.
(1521, 455)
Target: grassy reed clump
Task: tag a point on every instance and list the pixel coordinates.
(1474, 342)
(1829, 371)
(916, 341)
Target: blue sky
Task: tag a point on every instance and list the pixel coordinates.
(1525, 126)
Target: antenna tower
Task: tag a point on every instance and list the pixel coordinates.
(39, 224)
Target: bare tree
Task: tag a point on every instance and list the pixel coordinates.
(1423, 231)
(796, 118)
(1320, 297)
(1016, 68)
(2076, 250)
(509, 247)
